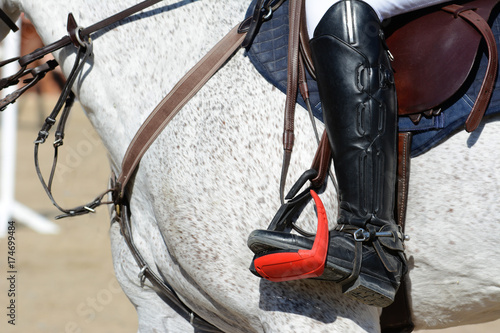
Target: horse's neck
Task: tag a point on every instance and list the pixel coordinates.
(143, 67)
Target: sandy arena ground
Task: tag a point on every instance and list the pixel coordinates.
(65, 282)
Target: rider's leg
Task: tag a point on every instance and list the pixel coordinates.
(358, 96)
(359, 105)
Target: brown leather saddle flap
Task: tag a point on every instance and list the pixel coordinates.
(434, 53)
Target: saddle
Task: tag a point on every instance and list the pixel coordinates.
(434, 53)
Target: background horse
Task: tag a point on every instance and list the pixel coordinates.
(212, 177)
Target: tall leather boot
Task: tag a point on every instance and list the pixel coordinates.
(358, 96)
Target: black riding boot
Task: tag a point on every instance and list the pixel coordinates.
(356, 85)
(359, 105)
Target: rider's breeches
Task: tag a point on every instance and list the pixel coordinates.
(315, 9)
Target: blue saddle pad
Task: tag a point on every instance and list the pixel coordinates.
(268, 54)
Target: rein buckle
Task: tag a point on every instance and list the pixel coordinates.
(37, 74)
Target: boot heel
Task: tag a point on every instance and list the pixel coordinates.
(371, 291)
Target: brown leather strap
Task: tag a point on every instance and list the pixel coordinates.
(183, 91)
(321, 161)
(486, 90)
(305, 49)
(293, 73)
(396, 318)
(403, 177)
(254, 23)
(66, 40)
(119, 16)
(295, 13)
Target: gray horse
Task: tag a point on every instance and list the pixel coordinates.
(212, 177)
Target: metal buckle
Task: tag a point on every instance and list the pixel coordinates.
(142, 275)
(268, 15)
(361, 235)
(37, 74)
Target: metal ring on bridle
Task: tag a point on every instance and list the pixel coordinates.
(268, 15)
(79, 38)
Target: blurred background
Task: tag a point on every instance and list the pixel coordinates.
(65, 281)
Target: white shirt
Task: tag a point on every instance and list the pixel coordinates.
(315, 9)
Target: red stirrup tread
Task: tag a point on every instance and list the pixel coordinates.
(301, 264)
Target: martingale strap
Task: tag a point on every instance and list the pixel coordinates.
(187, 87)
(166, 110)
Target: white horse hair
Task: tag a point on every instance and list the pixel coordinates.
(212, 177)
